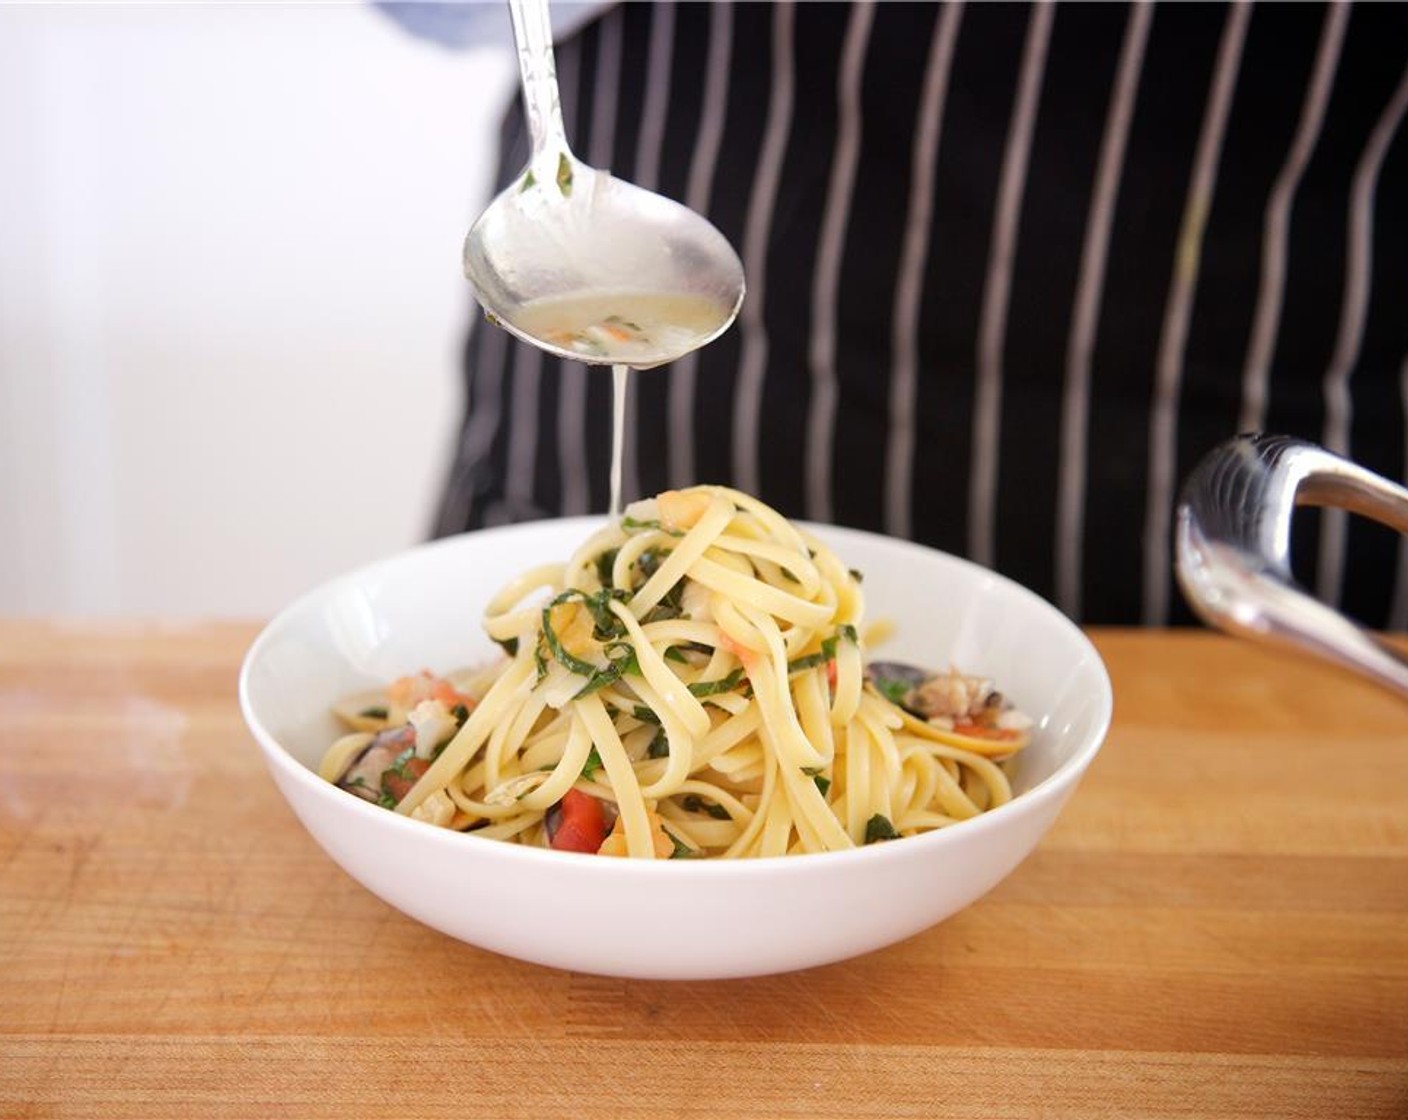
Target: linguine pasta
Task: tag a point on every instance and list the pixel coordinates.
(695, 678)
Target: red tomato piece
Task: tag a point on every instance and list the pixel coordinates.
(398, 782)
(583, 824)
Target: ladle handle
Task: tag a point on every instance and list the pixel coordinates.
(1233, 540)
(532, 32)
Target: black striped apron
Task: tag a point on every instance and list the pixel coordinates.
(1012, 271)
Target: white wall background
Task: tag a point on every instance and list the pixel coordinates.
(230, 298)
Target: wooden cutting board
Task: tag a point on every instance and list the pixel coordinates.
(1216, 927)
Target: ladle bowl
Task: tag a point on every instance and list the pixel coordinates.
(564, 231)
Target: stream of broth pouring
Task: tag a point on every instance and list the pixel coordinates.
(620, 376)
(660, 326)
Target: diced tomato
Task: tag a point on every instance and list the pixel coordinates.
(449, 695)
(978, 731)
(747, 656)
(407, 692)
(583, 824)
(398, 782)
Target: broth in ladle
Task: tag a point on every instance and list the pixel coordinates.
(625, 330)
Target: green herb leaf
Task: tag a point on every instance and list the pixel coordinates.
(682, 850)
(564, 175)
(662, 612)
(540, 659)
(895, 691)
(603, 619)
(696, 804)
(812, 660)
(859, 577)
(879, 828)
(510, 646)
(645, 715)
(827, 651)
(630, 524)
(822, 783)
(592, 765)
(605, 561)
(461, 713)
(659, 746)
(528, 182)
(376, 712)
(674, 653)
(701, 689)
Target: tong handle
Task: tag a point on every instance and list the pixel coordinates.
(1233, 541)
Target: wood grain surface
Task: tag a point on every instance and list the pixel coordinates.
(1216, 927)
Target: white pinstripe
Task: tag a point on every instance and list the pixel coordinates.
(608, 75)
(1329, 573)
(657, 94)
(1276, 226)
(909, 287)
(1075, 398)
(748, 397)
(826, 281)
(1168, 376)
(684, 373)
(997, 290)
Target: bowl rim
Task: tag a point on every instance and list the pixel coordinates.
(1053, 786)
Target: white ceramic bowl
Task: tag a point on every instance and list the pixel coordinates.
(678, 919)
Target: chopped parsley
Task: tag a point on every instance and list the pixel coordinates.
(696, 804)
(879, 828)
(827, 651)
(564, 175)
(895, 691)
(682, 850)
(605, 562)
(659, 745)
(814, 773)
(374, 712)
(620, 655)
(701, 689)
(592, 765)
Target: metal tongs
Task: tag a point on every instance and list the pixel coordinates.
(1233, 540)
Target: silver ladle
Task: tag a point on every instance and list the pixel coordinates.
(563, 231)
(1233, 548)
